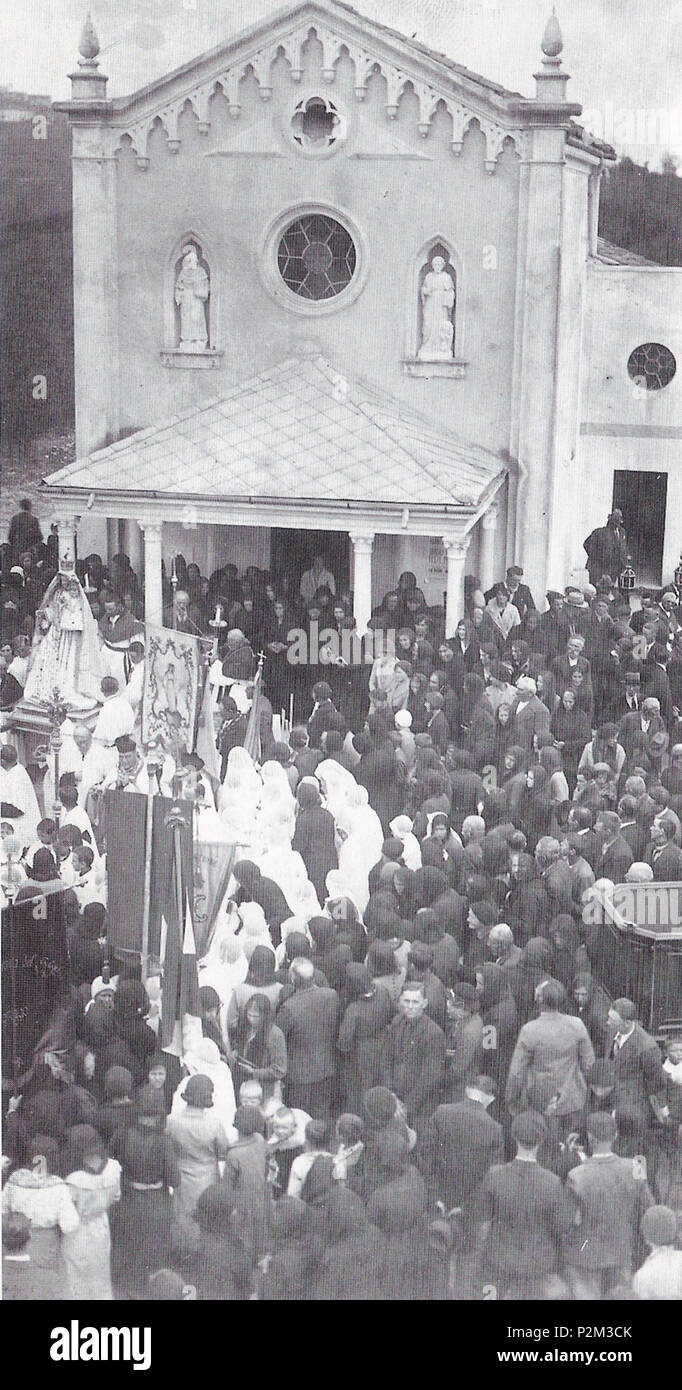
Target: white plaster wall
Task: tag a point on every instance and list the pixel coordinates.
(398, 204)
(624, 427)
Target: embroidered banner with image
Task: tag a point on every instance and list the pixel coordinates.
(171, 684)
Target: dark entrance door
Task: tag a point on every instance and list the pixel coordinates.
(641, 498)
(292, 552)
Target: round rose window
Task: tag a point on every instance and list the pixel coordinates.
(316, 257)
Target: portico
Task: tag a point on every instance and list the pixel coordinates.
(358, 465)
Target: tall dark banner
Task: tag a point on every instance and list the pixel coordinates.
(35, 975)
(125, 820)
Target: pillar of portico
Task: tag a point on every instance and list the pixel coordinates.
(133, 545)
(491, 564)
(67, 538)
(153, 588)
(362, 579)
(456, 551)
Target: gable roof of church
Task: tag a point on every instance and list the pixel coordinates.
(297, 431)
(337, 15)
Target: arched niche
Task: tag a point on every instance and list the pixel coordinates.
(191, 323)
(436, 312)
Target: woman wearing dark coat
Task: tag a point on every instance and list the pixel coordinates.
(588, 1001)
(254, 887)
(257, 1041)
(353, 1264)
(535, 965)
(397, 1208)
(296, 1254)
(367, 1014)
(478, 721)
(143, 1223)
(220, 1265)
(122, 1038)
(314, 836)
(504, 739)
(379, 772)
(516, 760)
(536, 811)
(500, 1025)
(569, 957)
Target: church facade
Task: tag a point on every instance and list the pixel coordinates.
(334, 292)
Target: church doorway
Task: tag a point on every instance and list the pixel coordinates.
(293, 551)
(641, 497)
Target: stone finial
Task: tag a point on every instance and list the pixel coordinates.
(88, 84)
(551, 81)
(88, 44)
(552, 42)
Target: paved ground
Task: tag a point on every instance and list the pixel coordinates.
(23, 466)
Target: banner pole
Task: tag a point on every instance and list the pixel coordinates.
(148, 831)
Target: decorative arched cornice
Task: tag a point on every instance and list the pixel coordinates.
(431, 95)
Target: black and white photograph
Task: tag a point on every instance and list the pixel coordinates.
(341, 668)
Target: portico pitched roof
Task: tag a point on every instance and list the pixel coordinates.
(298, 431)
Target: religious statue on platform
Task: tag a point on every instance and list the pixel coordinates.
(438, 300)
(192, 290)
(66, 654)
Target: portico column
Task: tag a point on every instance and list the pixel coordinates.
(153, 589)
(113, 538)
(456, 551)
(362, 579)
(133, 545)
(67, 538)
(488, 564)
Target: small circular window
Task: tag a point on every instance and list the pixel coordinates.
(316, 257)
(652, 365)
(317, 125)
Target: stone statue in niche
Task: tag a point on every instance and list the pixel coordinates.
(438, 300)
(192, 290)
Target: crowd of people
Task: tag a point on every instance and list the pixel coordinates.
(416, 1076)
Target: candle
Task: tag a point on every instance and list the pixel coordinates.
(218, 615)
(173, 574)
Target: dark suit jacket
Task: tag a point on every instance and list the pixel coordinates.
(413, 1063)
(460, 1143)
(632, 736)
(638, 1074)
(562, 670)
(667, 865)
(657, 685)
(309, 1020)
(633, 835)
(530, 1215)
(615, 861)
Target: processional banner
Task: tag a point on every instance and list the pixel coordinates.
(171, 685)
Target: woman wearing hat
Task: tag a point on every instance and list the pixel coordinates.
(199, 1141)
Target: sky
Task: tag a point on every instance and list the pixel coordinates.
(624, 56)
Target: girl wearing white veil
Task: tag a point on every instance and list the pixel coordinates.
(224, 965)
(276, 789)
(361, 846)
(239, 797)
(336, 782)
(284, 864)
